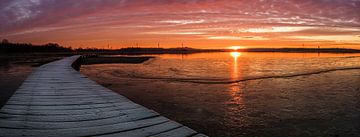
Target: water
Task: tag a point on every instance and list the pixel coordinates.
(11, 77)
(245, 94)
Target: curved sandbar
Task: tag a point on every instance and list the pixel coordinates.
(57, 100)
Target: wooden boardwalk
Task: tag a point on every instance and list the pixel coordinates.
(56, 100)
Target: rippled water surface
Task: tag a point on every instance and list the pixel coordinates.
(245, 94)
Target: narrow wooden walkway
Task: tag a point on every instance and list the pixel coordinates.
(56, 100)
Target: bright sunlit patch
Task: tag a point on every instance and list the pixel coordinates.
(237, 38)
(175, 33)
(183, 22)
(337, 38)
(277, 29)
(235, 54)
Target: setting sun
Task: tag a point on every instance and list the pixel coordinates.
(236, 47)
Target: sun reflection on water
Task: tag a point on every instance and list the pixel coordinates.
(235, 55)
(234, 89)
(234, 72)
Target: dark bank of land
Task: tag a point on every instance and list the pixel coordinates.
(114, 59)
(302, 50)
(7, 47)
(130, 51)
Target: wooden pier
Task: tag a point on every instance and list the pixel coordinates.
(56, 100)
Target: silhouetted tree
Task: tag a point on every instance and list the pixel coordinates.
(5, 41)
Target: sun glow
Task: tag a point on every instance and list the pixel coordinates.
(236, 47)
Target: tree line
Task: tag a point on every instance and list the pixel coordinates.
(8, 47)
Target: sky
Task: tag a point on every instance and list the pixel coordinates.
(196, 23)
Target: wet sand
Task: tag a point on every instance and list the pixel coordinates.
(212, 111)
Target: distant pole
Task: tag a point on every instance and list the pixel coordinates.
(158, 44)
(182, 45)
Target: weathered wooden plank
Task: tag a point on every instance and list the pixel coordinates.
(70, 107)
(74, 118)
(199, 135)
(59, 103)
(146, 131)
(178, 132)
(58, 98)
(85, 131)
(75, 124)
(67, 112)
(65, 101)
(60, 95)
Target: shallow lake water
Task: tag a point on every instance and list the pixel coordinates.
(245, 94)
